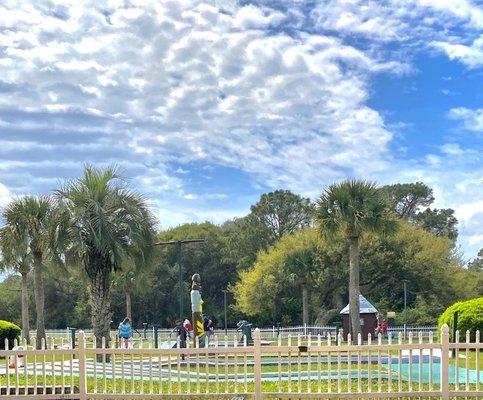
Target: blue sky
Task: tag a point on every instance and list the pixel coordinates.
(204, 105)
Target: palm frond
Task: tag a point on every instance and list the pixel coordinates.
(354, 207)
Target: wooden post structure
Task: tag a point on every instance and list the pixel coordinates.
(445, 362)
(257, 364)
(82, 367)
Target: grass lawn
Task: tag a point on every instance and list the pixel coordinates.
(128, 386)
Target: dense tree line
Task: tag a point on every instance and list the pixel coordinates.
(287, 261)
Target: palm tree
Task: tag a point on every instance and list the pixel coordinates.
(300, 266)
(353, 208)
(103, 225)
(15, 256)
(30, 220)
(126, 281)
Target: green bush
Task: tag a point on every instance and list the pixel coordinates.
(470, 317)
(10, 331)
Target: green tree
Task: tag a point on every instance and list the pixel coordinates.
(427, 262)
(352, 209)
(439, 222)
(276, 214)
(244, 239)
(406, 198)
(31, 221)
(300, 266)
(294, 264)
(281, 212)
(10, 302)
(210, 259)
(132, 281)
(103, 224)
(477, 263)
(16, 257)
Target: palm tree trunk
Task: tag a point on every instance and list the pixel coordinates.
(101, 307)
(305, 305)
(354, 273)
(39, 298)
(25, 309)
(128, 305)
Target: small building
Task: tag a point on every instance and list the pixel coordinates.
(368, 316)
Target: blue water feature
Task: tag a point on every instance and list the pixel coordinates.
(435, 372)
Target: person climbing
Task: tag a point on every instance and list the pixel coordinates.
(125, 333)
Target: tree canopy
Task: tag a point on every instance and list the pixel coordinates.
(267, 277)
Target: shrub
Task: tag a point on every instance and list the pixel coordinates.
(10, 331)
(470, 317)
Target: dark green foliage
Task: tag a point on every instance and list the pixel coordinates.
(424, 257)
(10, 299)
(470, 317)
(477, 263)
(352, 208)
(9, 331)
(210, 259)
(406, 198)
(281, 213)
(439, 222)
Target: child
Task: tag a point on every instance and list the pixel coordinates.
(182, 334)
(125, 332)
(187, 325)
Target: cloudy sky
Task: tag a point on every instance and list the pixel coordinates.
(205, 105)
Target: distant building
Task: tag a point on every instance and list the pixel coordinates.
(368, 315)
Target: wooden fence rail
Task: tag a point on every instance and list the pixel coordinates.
(312, 366)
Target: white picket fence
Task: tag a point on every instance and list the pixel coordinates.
(311, 367)
(140, 337)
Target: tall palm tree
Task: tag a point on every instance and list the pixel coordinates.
(15, 256)
(300, 266)
(353, 208)
(103, 225)
(132, 281)
(30, 220)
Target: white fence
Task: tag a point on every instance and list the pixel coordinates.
(140, 337)
(311, 368)
(405, 329)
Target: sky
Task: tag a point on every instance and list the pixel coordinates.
(205, 105)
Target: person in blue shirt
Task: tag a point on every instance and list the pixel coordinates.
(125, 332)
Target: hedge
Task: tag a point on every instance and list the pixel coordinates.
(10, 331)
(470, 317)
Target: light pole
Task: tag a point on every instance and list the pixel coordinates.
(180, 244)
(405, 281)
(224, 302)
(405, 297)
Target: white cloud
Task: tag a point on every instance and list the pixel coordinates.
(472, 119)
(471, 55)
(281, 95)
(462, 9)
(466, 211)
(5, 195)
(187, 80)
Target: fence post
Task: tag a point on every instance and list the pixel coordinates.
(82, 367)
(257, 367)
(444, 362)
